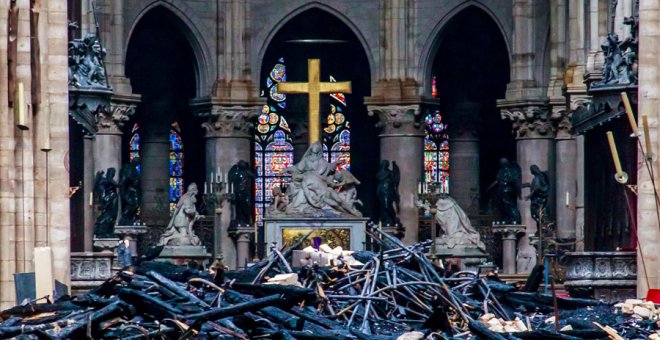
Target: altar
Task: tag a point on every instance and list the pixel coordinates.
(345, 232)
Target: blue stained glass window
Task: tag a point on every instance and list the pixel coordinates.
(337, 132)
(436, 151)
(134, 146)
(273, 151)
(176, 166)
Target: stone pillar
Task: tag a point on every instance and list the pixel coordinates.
(243, 237)
(464, 155)
(649, 103)
(154, 158)
(565, 178)
(509, 237)
(228, 140)
(402, 141)
(88, 186)
(534, 146)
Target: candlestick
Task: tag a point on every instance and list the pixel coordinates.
(567, 198)
(647, 137)
(212, 177)
(629, 112)
(615, 155)
(226, 188)
(205, 187)
(19, 107)
(91, 198)
(419, 187)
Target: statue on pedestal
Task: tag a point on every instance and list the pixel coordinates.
(388, 193)
(314, 191)
(105, 188)
(240, 180)
(129, 189)
(508, 184)
(179, 231)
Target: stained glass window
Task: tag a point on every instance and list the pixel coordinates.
(134, 147)
(337, 132)
(273, 151)
(176, 166)
(436, 151)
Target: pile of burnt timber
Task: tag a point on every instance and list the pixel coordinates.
(397, 290)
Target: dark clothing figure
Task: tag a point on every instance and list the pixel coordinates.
(508, 184)
(388, 193)
(538, 194)
(106, 190)
(240, 180)
(124, 256)
(129, 189)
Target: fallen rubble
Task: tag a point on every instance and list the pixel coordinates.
(396, 292)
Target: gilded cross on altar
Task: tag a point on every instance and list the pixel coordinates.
(314, 87)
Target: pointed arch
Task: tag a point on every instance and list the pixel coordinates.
(204, 67)
(300, 10)
(434, 40)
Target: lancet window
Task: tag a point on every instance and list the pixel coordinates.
(176, 165)
(436, 152)
(337, 132)
(273, 150)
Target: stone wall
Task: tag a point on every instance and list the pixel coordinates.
(649, 104)
(34, 185)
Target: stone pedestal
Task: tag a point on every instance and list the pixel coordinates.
(242, 236)
(182, 255)
(510, 234)
(274, 228)
(470, 258)
(131, 232)
(106, 245)
(609, 276)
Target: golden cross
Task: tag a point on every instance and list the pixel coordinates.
(314, 87)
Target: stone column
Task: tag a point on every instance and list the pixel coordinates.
(534, 146)
(464, 155)
(649, 103)
(107, 140)
(565, 178)
(88, 186)
(228, 140)
(154, 158)
(402, 141)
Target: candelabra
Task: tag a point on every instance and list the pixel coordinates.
(216, 192)
(428, 195)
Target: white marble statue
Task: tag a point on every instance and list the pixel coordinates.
(179, 231)
(317, 189)
(457, 230)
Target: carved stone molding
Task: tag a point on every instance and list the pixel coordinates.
(561, 121)
(529, 121)
(397, 117)
(228, 121)
(111, 119)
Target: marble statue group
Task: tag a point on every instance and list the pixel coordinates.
(317, 189)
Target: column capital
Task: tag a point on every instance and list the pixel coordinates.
(561, 122)
(400, 118)
(111, 119)
(228, 121)
(530, 120)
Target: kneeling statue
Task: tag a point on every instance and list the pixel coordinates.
(179, 231)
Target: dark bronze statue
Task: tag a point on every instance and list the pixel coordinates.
(105, 189)
(508, 185)
(240, 180)
(129, 189)
(538, 194)
(388, 193)
(86, 65)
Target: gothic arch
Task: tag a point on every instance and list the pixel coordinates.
(330, 10)
(204, 70)
(433, 41)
